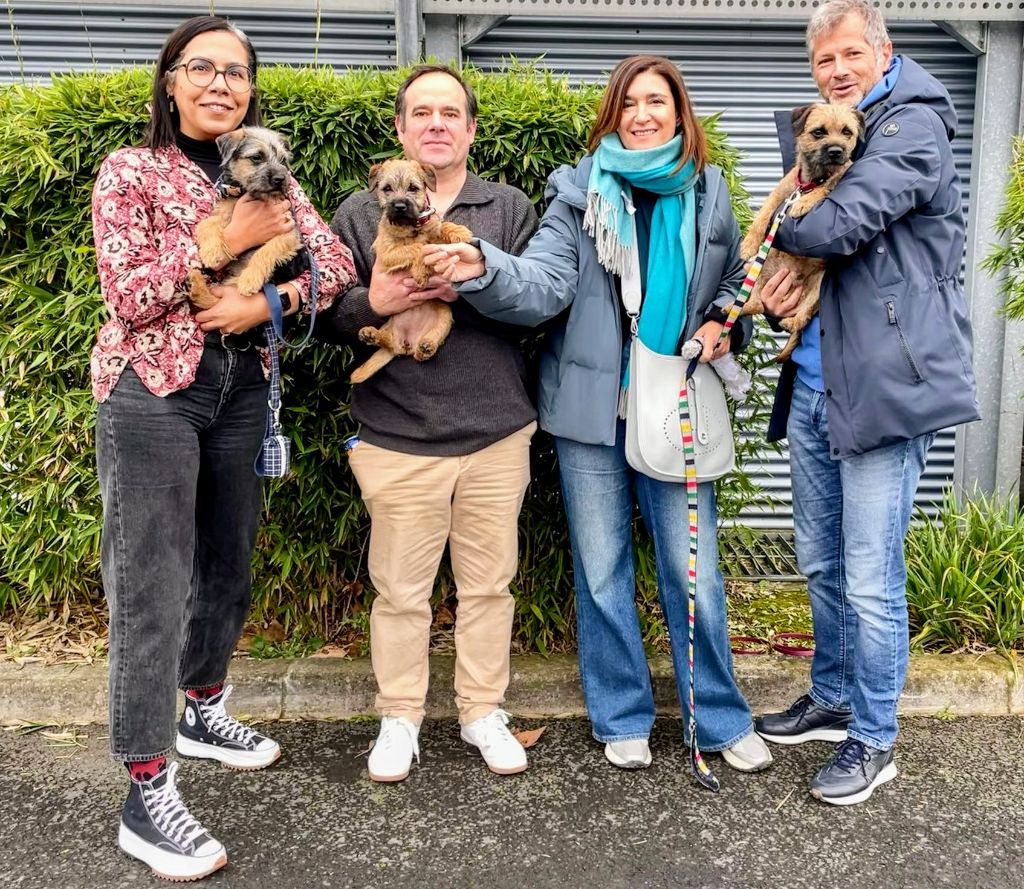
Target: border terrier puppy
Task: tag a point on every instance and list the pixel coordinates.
(255, 162)
(825, 138)
(407, 223)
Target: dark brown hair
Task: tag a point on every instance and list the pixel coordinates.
(163, 123)
(418, 72)
(609, 114)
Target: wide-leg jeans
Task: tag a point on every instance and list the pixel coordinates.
(181, 504)
(599, 487)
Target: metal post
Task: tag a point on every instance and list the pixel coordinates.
(988, 453)
(441, 38)
(408, 32)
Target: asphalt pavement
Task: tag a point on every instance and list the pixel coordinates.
(953, 817)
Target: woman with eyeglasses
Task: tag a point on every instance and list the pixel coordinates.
(182, 411)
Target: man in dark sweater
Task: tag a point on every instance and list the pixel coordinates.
(443, 450)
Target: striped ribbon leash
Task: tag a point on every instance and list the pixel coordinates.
(702, 772)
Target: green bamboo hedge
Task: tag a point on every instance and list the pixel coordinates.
(310, 564)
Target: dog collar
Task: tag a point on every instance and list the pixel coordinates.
(226, 188)
(425, 214)
(807, 185)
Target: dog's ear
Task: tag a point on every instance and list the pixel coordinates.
(429, 176)
(371, 183)
(800, 116)
(860, 123)
(227, 143)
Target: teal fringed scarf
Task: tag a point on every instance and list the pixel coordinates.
(673, 246)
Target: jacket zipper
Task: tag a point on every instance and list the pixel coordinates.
(890, 306)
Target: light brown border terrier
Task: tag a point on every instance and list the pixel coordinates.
(255, 162)
(407, 223)
(825, 138)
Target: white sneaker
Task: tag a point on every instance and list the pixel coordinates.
(634, 754)
(396, 745)
(501, 751)
(748, 754)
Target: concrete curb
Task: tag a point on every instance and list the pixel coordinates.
(332, 688)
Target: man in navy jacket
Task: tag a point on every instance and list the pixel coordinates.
(886, 364)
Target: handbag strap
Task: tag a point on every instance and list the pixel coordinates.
(700, 768)
(272, 330)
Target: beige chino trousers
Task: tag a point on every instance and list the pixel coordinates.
(416, 505)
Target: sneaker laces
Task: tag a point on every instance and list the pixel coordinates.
(850, 755)
(169, 813)
(799, 706)
(390, 729)
(494, 727)
(221, 722)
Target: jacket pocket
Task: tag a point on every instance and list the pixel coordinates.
(908, 355)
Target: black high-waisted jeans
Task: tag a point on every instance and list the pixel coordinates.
(181, 505)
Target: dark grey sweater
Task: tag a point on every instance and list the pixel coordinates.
(472, 393)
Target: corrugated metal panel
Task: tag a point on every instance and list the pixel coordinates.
(43, 38)
(747, 71)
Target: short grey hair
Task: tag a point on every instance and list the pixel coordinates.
(829, 15)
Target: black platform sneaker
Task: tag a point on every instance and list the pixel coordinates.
(159, 830)
(206, 731)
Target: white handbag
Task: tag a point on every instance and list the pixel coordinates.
(654, 441)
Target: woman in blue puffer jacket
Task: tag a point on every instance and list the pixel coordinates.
(648, 161)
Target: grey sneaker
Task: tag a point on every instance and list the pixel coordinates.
(853, 773)
(748, 754)
(635, 754)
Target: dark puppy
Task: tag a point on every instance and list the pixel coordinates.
(825, 138)
(255, 162)
(407, 223)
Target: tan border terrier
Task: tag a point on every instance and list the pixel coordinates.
(825, 138)
(407, 223)
(255, 162)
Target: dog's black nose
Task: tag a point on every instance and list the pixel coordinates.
(278, 179)
(399, 204)
(836, 154)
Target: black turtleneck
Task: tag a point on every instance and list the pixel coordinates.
(203, 154)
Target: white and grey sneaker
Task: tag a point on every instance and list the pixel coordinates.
(206, 731)
(500, 749)
(158, 829)
(397, 743)
(632, 754)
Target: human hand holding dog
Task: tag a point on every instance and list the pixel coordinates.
(234, 312)
(437, 288)
(255, 222)
(779, 296)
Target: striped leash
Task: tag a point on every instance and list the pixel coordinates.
(702, 772)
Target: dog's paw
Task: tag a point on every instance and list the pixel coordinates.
(454, 233)
(249, 282)
(425, 350)
(369, 335)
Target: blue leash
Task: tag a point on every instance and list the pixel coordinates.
(274, 456)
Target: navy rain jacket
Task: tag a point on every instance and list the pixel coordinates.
(895, 336)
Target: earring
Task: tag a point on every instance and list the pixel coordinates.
(171, 99)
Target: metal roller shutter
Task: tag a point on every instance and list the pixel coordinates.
(44, 38)
(746, 70)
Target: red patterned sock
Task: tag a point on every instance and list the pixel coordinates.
(201, 694)
(147, 769)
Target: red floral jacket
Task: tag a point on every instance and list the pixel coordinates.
(145, 207)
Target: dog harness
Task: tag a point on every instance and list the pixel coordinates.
(700, 768)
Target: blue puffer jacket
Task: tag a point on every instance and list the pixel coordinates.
(895, 337)
(559, 275)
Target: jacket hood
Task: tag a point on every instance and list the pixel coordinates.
(915, 86)
(569, 184)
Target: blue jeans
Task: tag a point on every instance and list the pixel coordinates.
(851, 517)
(181, 505)
(598, 487)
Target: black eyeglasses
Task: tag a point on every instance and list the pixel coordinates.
(202, 72)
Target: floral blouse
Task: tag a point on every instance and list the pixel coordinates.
(145, 207)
